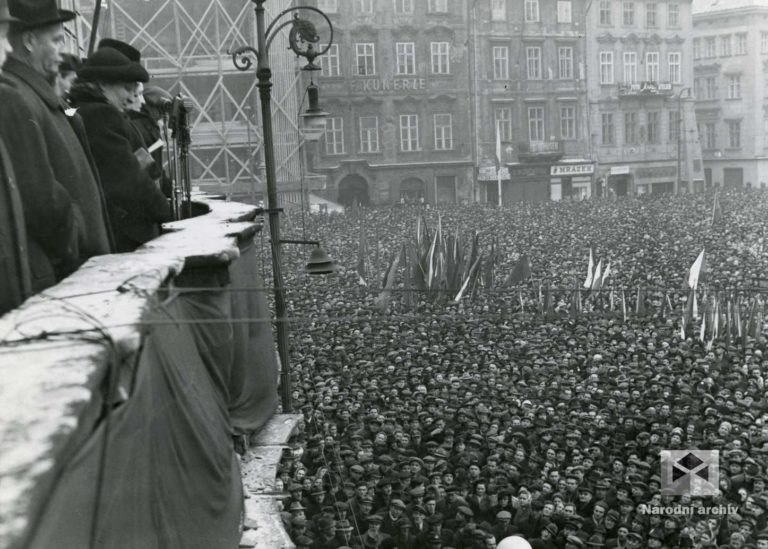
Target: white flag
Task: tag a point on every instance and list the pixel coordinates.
(597, 279)
(693, 275)
(606, 273)
(590, 271)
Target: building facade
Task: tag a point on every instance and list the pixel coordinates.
(731, 67)
(396, 85)
(642, 117)
(529, 88)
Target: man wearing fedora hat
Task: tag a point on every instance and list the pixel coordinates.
(13, 254)
(63, 205)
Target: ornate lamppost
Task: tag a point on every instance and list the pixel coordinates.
(302, 39)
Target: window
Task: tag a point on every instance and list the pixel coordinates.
(369, 134)
(629, 14)
(565, 62)
(564, 9)
(533, 57)
(673, 14)
(630, 67)
(725, 45)
(403, 7)
(734, 86)
(698, 88)
(607, 119)
(674, 127)
(334, 135)
(366, 61)
(443, 132)
(710, 87)
(439, 52)
(741, 43)
(329, 63)
(500, 63)
(499, 10)
(364, 6)
(531, 11)
(710, 137)
(330, 6)
(406, 57)
(650, 14)
(674, 67)
(652, 128)
(503, 119)
(438, 6)
(536, 123)
(652, 66)
(409, 132)
(734, 134)
(568, 122)
(709, 47)
(606, 67)
(764, 42)
(605, 12)
(697, 48)
(630, 128)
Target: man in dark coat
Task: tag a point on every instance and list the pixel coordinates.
(63, 204)
(14, 263)
(137, 207)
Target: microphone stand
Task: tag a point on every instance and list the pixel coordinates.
(182, 139)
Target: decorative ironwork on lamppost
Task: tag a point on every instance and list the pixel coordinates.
(302, 39)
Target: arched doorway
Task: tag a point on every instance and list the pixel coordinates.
(413, 190)
(353, 188)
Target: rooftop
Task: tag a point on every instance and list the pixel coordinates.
(712, 6)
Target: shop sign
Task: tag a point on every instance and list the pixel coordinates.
(572, 169)
(370, 85)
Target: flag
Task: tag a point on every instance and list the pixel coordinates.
(470, 276)
(362, 253)
(590, 270)
(688, 315)
(605, 274)
(389, 282)
(520, 273)
(693, 275)
(522, 306)
(717, 211)
(624, 304)
(640, 303)
(703, 329)
(597, 279)
(695, 306)
(548, 302)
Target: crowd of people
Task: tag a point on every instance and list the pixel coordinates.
(436, 424)
(74, 180)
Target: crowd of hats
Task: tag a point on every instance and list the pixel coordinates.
(439, 425)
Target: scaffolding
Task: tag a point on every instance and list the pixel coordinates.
(184, 46)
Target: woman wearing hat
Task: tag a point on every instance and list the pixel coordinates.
(106, 84)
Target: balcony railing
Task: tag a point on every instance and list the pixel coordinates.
(645, 89)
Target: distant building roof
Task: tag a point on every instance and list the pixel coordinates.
(710, 6)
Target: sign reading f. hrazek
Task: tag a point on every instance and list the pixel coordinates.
(573, 169)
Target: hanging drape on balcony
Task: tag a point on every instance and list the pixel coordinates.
(171, 478)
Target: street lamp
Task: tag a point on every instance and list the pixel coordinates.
(302, 38)
(680, 136)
